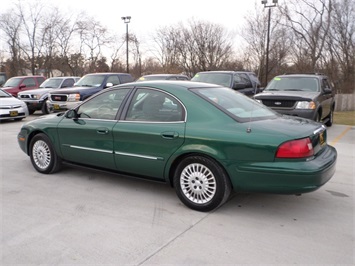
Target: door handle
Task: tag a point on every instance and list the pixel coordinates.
(102, 131)
(170, 135)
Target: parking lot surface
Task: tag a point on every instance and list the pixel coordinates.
(82, 217)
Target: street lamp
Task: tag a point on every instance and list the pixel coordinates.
(266, 5)
(126, 20)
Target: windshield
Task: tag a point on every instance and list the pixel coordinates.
(235, 104)
(222, 79)
(13, 82)
(51, 83)
(91, 81)
(293, 84)
(4, 94)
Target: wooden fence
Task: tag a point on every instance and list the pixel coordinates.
(344, 102)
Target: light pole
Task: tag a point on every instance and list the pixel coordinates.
(127, 20)
(266, 5)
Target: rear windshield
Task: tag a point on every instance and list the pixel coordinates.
(222, 79)
(235, 104)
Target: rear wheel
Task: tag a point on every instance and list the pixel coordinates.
(201, 183)
(43, 156)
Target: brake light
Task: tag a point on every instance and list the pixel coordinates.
(299, 148)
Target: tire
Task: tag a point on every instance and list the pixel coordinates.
(201, 183)
(44, 108)
(330, 118)
(317, 118)
(31, 111)
(43, 156)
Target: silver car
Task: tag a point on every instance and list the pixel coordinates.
(11, 107)
(36, 99)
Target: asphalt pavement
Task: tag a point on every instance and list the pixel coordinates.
(83, 217)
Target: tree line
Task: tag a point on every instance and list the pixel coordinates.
(306, 36)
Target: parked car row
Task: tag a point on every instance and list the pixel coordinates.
(305, 95)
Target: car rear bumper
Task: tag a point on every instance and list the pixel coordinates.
(287, 176)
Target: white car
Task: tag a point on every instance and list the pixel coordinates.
(11, 107)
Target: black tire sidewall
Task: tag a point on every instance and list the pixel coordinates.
(222, 183)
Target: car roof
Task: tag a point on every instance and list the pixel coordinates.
(183, 84)
(315, 75)
(33, 76)
(107, 73)
(163, 75)
(225, 71)
(64, 77)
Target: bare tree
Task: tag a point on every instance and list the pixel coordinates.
(310, 22)
(31, 16)
(340, 59)
(10, 25)
(94, 37)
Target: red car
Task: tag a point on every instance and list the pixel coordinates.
(21, 83)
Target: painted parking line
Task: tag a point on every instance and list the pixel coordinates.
(340, 136)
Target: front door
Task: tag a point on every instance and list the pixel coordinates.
(87, 137)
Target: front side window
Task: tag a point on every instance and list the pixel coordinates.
(51, 83)
(154, 106)
(113, 79)
(91, 81)
(104, 106)
(235, 104)
(29, 82)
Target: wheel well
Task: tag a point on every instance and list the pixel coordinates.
(177, 160)
(29, 138)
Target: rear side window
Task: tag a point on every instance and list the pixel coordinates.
(126, 78)
(154, 106)
(68, 83)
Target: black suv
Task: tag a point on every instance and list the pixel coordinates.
(245, 82)
(305, 95)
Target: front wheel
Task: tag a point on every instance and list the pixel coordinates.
(44, 108)
(329, 123)
(201, 183)
(43, 156)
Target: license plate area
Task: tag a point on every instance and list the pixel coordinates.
(56, 106)
(13, 113)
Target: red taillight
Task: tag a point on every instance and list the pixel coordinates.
(299, 148)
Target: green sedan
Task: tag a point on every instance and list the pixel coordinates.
(203, 139)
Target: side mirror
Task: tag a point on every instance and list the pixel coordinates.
(108, 85)
(327, 90)
(72, 114)
(239, 86)
(22, 86)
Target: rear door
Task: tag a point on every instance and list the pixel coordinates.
(152, 130)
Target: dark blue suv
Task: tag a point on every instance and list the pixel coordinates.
(87, 86)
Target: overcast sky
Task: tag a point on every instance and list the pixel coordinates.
(148, 15)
